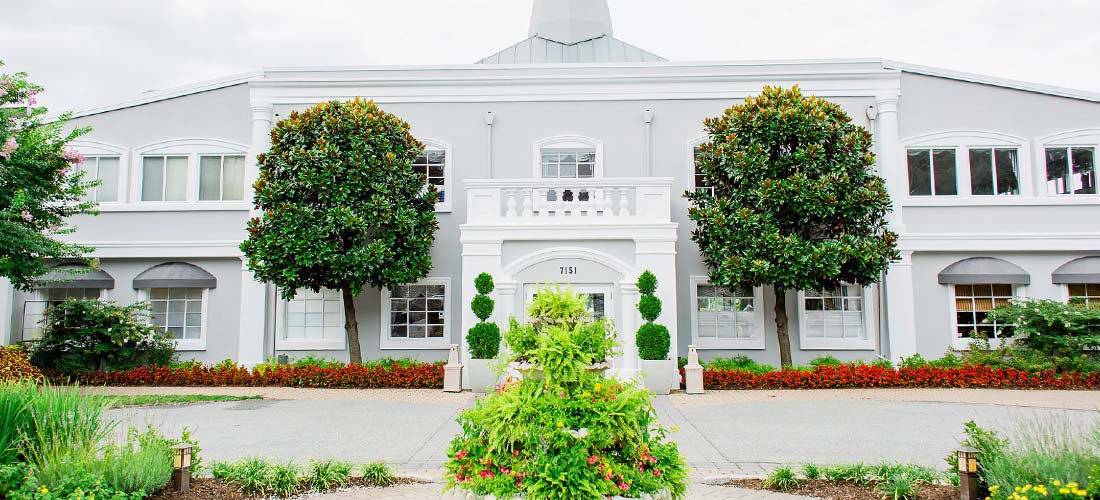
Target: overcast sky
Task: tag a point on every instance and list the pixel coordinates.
(95, 52)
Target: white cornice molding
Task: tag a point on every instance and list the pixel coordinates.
(164, 249)
(991, 80)
(173, 92)
(999, 242)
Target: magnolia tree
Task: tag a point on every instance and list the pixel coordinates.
(40, 185)
(342, 206)
(795, 202)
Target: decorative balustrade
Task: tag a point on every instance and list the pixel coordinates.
(568, 200)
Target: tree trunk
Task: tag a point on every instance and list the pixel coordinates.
(781, 327)
(351, 326)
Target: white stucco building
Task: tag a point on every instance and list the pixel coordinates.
(564, 159)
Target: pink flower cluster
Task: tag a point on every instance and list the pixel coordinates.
(4, 84)
(9, 147)
(72, 156)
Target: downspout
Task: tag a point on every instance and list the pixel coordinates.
(647, 115)
(489, 143)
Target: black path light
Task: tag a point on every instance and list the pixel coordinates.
(181, 467)
(968, 474)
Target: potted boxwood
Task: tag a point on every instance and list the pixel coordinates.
(658, 371)
(483, 338)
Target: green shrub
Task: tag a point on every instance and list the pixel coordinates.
(15, 365)
(484, 341)
(855, 473)
(88, 335)
(1051, 326)
(825, 361)
(647, 283)
(653, 342)
(811, 471)
(782, 478)
(738, 363)
(898, 487)
(650, 307)
(553, 305)
(322, 475)
(1038, 450)
(483, 283)
(595, 340)
(522, 340)
(143, 463)
(378, 474)
(311, 360)
(482, 306)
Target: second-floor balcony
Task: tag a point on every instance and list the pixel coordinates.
(608, 200)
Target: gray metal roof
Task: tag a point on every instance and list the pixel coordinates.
(175, 275)
(983, 270)
(602, 49)
(76, 276)
(1083, 270)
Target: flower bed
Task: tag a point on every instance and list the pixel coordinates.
(404, 376)
(867, 376)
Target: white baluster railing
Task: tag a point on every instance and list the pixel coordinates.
(568, 200)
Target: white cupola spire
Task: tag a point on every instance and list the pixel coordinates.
(570, 21)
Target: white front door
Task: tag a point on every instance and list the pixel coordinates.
(597, 296)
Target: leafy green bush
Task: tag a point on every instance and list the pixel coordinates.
(17, 482)
(738, 363)
(1038, 450)
(87, 335)
(782, 478)
(483, 283)
(653, 341)
(311, 360)
(811, 471)
(522, 340)
(647, 283)
(553, 305)
(1050, 326)
(378, 474)
(649, 306)
(484, 340)
(560, 313)
(825, 361)
(482, 306)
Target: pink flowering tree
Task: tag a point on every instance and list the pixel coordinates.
(40, 185)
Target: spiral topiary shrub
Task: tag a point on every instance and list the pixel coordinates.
(483, 338)
(650, 307)
(652, 340)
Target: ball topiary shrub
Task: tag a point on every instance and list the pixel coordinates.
(653, 340)
(483, 338)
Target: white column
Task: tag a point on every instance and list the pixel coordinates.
(477, 258)
(628, 368)
(901, 320)
(659, 257)
(250, 350)
(7, 296)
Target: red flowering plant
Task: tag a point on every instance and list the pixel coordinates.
(867, 376)
(371, 375)
(573, 434)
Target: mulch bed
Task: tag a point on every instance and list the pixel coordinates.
(205, 488)
(822, 488)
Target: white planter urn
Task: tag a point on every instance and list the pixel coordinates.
(658, 375)
(483, 375)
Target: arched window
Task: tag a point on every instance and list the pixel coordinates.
(967, 163)
(1070, 162)
(105, 163)
(568, 157)
(199, 171)
(435, 165)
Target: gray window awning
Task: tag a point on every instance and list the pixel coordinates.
(76, 276)
(984, 270)
(1083, 270)
(175, 275)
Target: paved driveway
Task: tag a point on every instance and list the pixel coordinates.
(721, 432)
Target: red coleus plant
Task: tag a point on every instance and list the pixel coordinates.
(867, 376)
(418, 376)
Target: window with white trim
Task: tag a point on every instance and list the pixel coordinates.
(104, 169)
(178, 311)
(221, 177)
(568, 163)
(34, 311)
(1071, 170)
(722, 318)
(415, 316)
(932, 172)
(1086, 294)
(835, 318)
(699, 180)
(432, 164)
(164, 178)
(314, 320)
(973, 304)
(994, 171)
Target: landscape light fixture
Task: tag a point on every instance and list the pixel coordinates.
(181, 467)
(968, 474)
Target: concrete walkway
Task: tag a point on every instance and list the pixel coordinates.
(426, 491)
(722, 433)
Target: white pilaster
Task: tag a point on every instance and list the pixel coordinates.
(477, 258)
(659, 257)
(628, 365)
(901, 320)
(890, 161)
(250, 338)
(7, 296)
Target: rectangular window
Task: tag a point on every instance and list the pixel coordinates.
(164, 178)
(177, 311)
(834, 314)
(105, 170)
(568, 163)
(1086, 294)
(34, 311)
(994, 171)
(221, 178)
(700, 180)
(1071, 170)
(972, 306)
(418, 312)
(932, 172)
(725, 314)
(315, 316)
(432, 165)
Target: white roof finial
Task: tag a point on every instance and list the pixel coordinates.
(570, 21)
